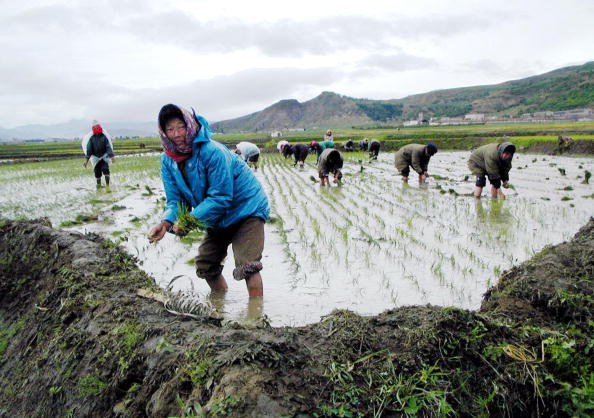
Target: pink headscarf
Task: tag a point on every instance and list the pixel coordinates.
(181, 153)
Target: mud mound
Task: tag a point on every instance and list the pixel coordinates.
(76, 340)
(579, 147)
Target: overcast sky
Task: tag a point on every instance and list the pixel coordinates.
(121, 60)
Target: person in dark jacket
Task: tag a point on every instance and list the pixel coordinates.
(493, 161)
(300, 152)
(349, 146)
(222, 194)
(363, 145)
(416, 156)
(100, 152)
(287, 150)
(330, 162)
(374, 147)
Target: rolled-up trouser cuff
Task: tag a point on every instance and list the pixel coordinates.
(245, 271)
(210, 272)
(481, 181)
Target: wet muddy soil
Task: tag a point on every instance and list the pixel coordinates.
(76, 339)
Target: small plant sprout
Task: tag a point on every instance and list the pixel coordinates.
(587, 176)
(561, 170)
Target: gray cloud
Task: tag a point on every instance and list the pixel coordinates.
(217, 98)
(396, 62)
(284, 37)
(221, 97)
(296, 38)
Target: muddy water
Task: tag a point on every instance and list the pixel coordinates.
(370, 245)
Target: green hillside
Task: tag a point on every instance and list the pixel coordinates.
(562, 89)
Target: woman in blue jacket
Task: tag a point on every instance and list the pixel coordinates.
(224, 196)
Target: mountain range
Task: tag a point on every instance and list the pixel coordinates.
(562, 89)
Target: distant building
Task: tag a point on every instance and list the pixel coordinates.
(474, 117)
(574, 114)
(276, 134)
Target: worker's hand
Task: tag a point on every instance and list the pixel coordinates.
(506, 184)
(85, 163)
(159, 231)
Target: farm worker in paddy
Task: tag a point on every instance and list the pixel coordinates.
(249, 152)
(319, 148)
(330, 162)
(280, 145)
(416, 156)
(298, 151)
(374, 147)
(99, 150)
(223, 194)
(493, 161)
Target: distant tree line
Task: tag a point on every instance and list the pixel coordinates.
(381, 112)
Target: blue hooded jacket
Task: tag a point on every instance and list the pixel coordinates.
(222, 188)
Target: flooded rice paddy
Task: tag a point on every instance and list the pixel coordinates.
(370, 245)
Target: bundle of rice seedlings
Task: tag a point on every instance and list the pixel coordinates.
(186, 222)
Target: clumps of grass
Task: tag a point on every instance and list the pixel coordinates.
(567, 188)
(91, 385)
(117, 207)
(136, 221)
(313, 179)
(587, 176)
(80, 219)
(438, 177)
(149, 191)
(566, 198)
(589, 196)
(561, 170)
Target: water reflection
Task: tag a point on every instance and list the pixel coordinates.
(495, 213)
(217, 300)
(254, 309)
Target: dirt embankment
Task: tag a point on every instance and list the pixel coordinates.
(76, 340)
(579, 147)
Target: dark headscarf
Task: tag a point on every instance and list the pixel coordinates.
(506, 147)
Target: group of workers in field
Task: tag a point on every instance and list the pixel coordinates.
(492, 161)
(221, 191)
